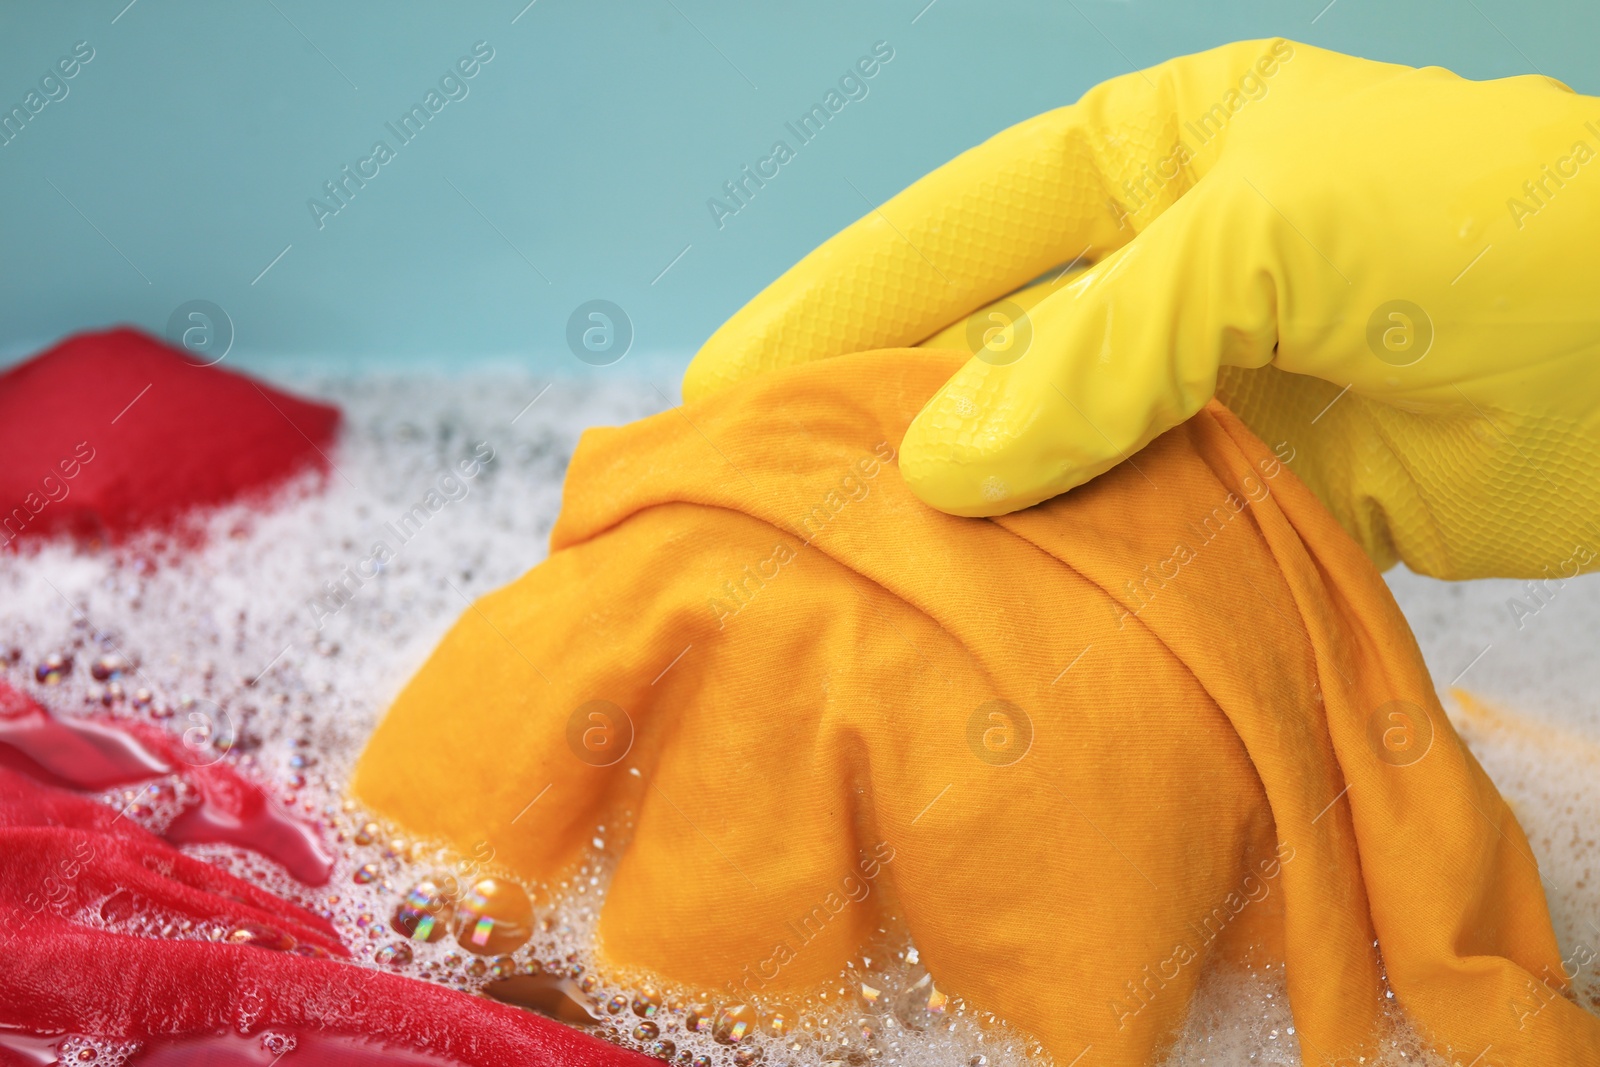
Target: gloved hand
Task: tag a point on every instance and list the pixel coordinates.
(1386, 271)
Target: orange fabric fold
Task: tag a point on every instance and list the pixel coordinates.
(1079, 752)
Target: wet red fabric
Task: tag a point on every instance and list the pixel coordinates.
(108, 433)
(69, 864)
(104, 435)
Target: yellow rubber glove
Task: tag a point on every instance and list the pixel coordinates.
(1387, 272)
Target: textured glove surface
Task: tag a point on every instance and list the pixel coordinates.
(1380, 267)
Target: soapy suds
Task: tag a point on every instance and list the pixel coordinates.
(281, 642)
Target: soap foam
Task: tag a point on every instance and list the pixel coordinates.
(288, 642)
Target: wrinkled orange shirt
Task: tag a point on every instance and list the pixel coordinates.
(1079, 751)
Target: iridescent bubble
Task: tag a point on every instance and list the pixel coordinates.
(646, 1031)
(259, 936)
(873, 994)
(646, 1001)
(697, 1018)
(368, 833)
(366, 874)
(53, 668)
(922, 1005)
(616, 1004)
(496, 917)
(744, 1057)
(111, 665)
(393, 955)
(734, 1024)
(661, 1050)
(779, 1023)
(502, 967)
(427, 911)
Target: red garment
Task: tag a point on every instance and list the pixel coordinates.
(103, 435)
(110, 432)
(63, 854)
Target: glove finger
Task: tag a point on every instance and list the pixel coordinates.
(1105, 363)
(1077, 182)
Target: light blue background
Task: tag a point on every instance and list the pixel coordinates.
(189, 147)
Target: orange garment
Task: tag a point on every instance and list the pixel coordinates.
(1199, 749)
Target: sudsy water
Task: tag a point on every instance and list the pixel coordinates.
(225, 643)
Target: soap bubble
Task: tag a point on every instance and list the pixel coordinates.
(393, 955)
(111, 665)
(427, 911)
(495, 917)
(259, 936)
(733, 1024)
(697, 1019)
(274, 1043)
(922, 1005)
(53, 668)
(646, 1001)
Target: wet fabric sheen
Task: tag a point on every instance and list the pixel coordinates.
(1081, 751)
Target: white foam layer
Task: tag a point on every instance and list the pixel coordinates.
(238, 624)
